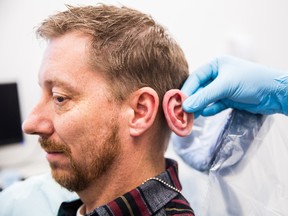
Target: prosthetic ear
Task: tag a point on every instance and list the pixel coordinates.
(144, 106)
(179, 121)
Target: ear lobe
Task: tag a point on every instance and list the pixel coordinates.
(144, 103)
(179, 121)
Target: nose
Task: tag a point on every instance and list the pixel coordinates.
(39, 121)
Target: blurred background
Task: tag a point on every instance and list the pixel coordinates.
(255, 30)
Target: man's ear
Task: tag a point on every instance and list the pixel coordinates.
(179, 121)
(144, 103)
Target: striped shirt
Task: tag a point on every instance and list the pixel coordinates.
(154, 197)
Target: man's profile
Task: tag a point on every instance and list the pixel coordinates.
(109, 80)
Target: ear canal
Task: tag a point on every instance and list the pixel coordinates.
(178, 121)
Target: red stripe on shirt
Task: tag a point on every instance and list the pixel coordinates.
(174, 176)
(140, 202)
(115, 208)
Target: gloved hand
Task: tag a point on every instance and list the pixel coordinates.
(232, 82)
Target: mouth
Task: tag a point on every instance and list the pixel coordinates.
(50, 147)
(55, 155)
(54, 151)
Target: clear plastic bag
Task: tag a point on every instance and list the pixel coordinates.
(248, 174)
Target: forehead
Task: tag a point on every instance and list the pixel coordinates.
(65, 62)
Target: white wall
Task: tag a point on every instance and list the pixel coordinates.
(257, 30)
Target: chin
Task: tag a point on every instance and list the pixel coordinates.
(69, 179)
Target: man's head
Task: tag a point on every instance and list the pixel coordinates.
(128, 47)
(103, 77)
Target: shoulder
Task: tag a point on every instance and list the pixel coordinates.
(36, 194)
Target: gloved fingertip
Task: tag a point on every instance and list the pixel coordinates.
(214, 109)
(207, 113)
(197, 114)
(186, 106)
(188, 109)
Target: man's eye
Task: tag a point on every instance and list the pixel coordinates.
(60, 99)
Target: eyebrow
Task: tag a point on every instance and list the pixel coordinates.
(60, 83)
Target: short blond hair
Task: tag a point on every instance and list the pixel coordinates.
(129, 47)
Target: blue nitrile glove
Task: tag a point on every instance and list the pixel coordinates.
(231, 82)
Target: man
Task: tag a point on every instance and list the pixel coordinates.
(105, 78)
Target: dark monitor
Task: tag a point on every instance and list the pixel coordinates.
(10, 118)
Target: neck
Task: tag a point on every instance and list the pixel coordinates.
(128, 172)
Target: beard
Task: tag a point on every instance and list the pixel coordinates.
(95, 160)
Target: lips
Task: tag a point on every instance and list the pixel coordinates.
(51, 150)
(54, 151)
(52, 146)
(55, 156)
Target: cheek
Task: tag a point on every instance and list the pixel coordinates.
(74, 127)
(78, 129)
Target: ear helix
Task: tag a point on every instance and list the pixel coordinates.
(144, 103)
(178, 121)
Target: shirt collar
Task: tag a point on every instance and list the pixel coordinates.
(146, 198)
